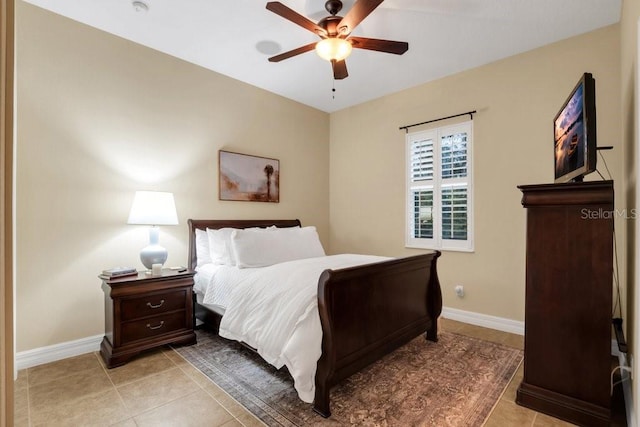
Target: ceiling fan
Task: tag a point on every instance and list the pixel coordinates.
(334, 30)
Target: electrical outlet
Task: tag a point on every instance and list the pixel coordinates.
(459, 291)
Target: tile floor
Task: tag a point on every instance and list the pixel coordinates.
(161, 388)
(157, 388)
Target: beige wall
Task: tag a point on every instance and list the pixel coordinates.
(629, 82)
(100, 117)
(516, 99)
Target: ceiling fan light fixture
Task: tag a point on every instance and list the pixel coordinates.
(333, 49)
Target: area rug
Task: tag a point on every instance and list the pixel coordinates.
(454, 382)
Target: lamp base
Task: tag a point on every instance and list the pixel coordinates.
(153, 254)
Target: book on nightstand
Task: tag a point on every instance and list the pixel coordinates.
(115, 272)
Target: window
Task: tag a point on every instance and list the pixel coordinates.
(440, 188)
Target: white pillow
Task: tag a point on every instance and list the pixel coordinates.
(219, 241)
(260, 248)
(203, 255)
(220, 246)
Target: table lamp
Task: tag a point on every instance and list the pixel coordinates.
(153, 208)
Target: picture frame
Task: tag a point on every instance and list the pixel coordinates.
(247, 178)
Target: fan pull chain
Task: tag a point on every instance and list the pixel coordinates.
(333, 90)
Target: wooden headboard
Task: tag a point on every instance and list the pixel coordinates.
(203, 224)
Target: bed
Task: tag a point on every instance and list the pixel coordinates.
(365, 311)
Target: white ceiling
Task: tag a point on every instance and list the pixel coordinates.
(235, 38)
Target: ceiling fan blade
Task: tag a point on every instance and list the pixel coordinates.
(388, 46)
(360, 10)
(339, 70)
(293, 16)
(294, 52)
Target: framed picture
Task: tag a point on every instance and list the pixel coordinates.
(248, 178)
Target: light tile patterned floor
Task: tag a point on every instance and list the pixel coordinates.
(160, 388)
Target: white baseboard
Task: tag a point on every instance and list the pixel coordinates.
(52, 353)
(484, 320)
(39, 356)
(498, 323)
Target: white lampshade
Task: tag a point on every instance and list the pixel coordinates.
(153, 208)
(333, 48)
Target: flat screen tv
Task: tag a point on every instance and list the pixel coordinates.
(574, 129)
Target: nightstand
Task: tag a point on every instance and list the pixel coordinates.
(145, 311)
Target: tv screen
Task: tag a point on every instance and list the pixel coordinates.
(574, 129)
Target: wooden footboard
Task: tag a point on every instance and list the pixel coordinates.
(368, 311)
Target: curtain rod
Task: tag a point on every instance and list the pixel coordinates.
(470, 113)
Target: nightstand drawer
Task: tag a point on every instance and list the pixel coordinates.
(152, 326)
(154, 304)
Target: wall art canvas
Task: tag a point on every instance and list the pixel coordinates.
(248, 178)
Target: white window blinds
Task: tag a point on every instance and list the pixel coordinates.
(439, 181)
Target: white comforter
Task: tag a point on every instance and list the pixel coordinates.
(276, 312)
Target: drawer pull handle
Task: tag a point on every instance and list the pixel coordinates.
(156, 327)
(155, 306)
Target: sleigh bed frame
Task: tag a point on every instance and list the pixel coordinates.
(366, 311)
